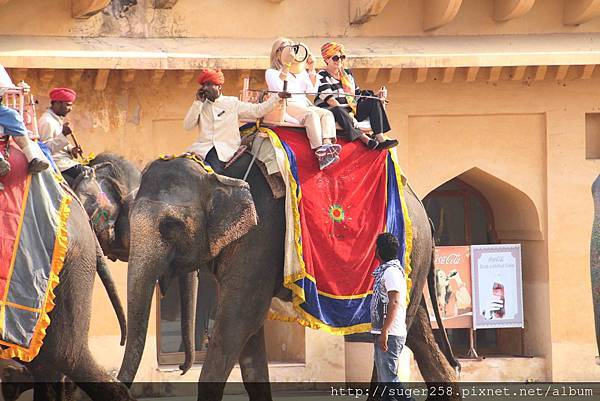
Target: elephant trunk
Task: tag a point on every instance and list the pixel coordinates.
(188, 288)
(595, 261)
(149, 259)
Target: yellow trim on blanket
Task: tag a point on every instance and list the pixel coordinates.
(314, 323)
(58, 260)
(14, 255)
(354, 296)
(408, 231)
(189, 155)
(289, 281)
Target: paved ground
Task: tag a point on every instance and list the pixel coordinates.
(557, 392)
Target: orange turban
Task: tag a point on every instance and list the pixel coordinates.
(63, 95)
(209, 75)
(330, 49)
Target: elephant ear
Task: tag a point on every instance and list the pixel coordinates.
(231, 213)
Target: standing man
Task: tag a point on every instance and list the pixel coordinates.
(54, 132)
(217, 116)
(388, 316)
(11, 124)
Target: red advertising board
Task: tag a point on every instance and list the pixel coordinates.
(453, 287)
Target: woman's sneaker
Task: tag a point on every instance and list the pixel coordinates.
(327, 161)
(4, 166)
(328, 154)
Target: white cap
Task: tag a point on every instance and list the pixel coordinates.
(5, 81)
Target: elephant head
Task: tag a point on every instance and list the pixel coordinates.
(106, 190)
(181, 219)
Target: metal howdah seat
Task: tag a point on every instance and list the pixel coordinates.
(20, 99)
(278, 117)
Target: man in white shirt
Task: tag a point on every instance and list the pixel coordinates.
(54, 131)
(217, 116)
(388, 316)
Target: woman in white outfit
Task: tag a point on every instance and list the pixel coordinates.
(319, 122)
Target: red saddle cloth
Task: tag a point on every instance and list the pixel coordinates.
(34, 210)
(340, 211)
(12, 196)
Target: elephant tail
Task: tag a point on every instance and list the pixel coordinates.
(442, 337)
(111, 290)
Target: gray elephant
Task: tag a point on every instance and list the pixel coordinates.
(595, 261)
(65, 350)
(184, 219)
(117, 179)
(106, 191)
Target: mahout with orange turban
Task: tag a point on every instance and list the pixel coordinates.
(62, 95)
(210, 75)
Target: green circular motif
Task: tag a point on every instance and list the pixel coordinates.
(336, 212)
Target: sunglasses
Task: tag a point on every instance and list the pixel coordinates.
(337, 58)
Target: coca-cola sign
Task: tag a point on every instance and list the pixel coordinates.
(497, 286)
(449, 259)
(453, 286)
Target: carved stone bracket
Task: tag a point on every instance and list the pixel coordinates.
(562, 72)
(437, 13)
(101, 80)
(363, 10)
(505, 10)
(86, 8)
(577, 12)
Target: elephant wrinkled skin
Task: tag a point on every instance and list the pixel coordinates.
(65, 351)
(595, 261)
(184, 219)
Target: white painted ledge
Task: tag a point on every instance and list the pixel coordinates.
(378, 52)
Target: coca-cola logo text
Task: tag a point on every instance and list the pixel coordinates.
(450, 259)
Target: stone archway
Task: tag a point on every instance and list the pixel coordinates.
(510, 216)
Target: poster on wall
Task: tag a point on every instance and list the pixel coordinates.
(453, 287)
(497, 286)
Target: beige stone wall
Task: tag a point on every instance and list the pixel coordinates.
(521, 143)
(522, 146)
(265, 19)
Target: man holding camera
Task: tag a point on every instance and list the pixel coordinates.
(217, 116)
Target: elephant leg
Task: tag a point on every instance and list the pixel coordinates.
(92, 379)
(48, 384)
(15, 380)
(373, 396)
(255, 367)
(434, 366)
(230, 335)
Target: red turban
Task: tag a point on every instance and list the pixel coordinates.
(63, 95)
(214, 76)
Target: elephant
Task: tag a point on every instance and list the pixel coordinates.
(595, 261)
(65, 351)
(106, 191)
(184, 219)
